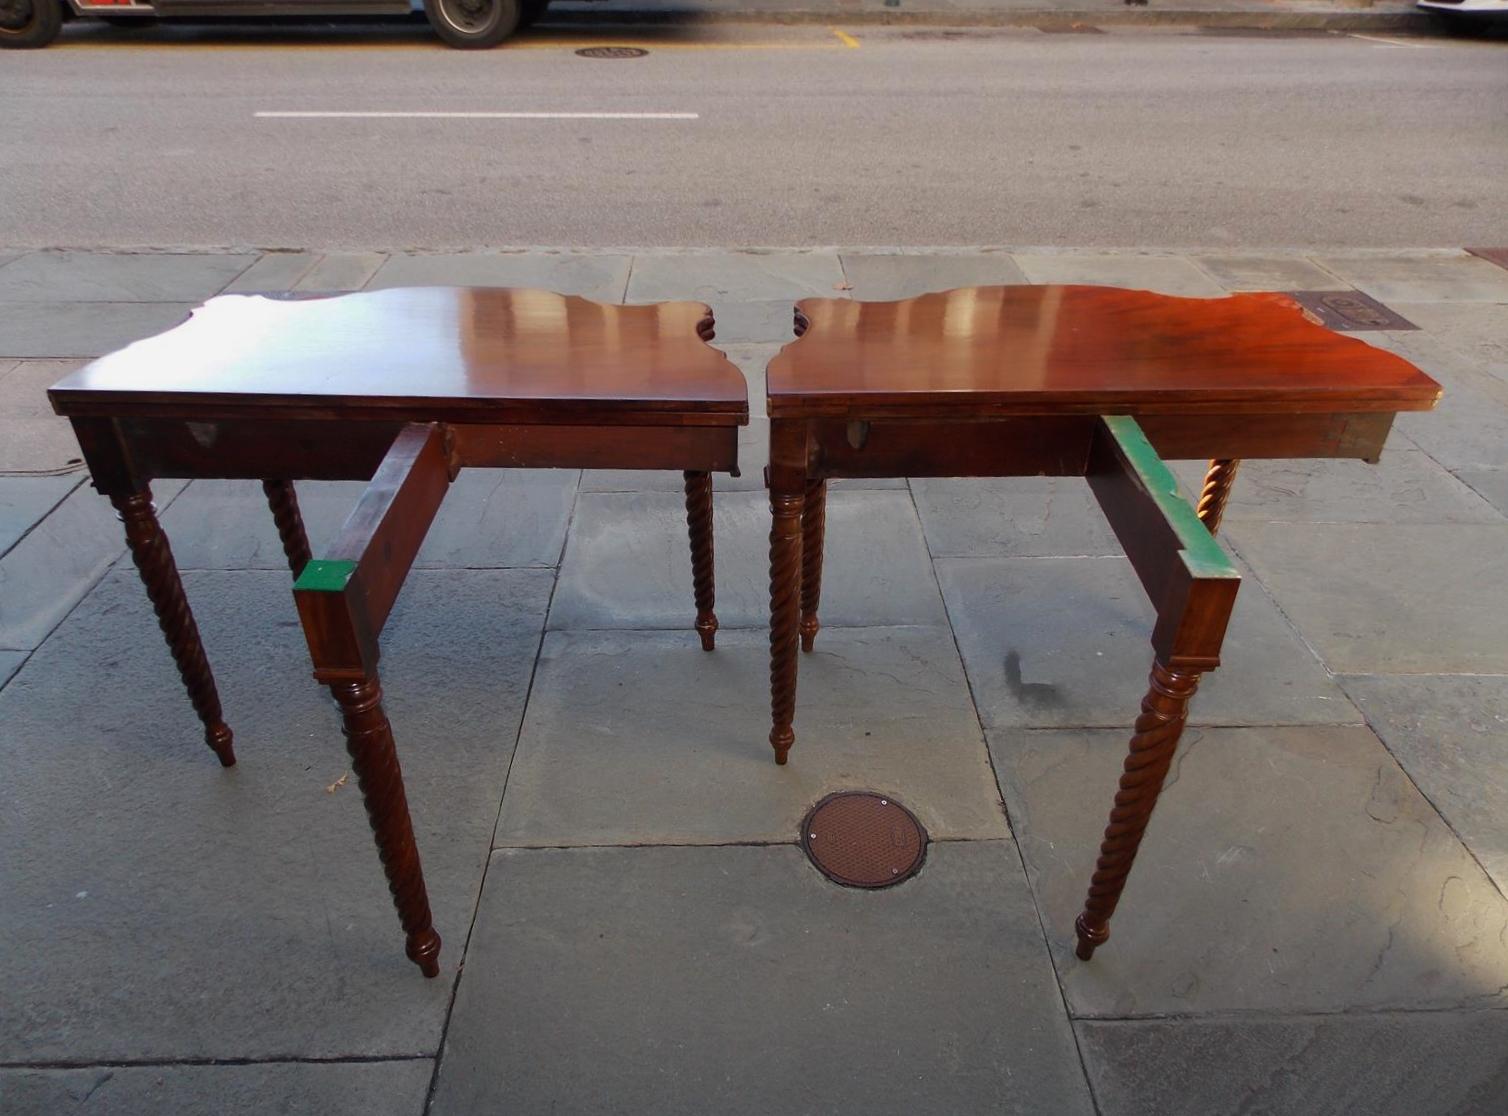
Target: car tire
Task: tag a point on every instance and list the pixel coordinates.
(472, 24)
(28, 24)
(530, 12)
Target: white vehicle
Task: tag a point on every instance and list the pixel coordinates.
(1467, 15)
(460, 23)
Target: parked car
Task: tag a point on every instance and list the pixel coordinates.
(1468, 16)
(460, 23)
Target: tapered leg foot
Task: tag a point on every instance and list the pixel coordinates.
(785, 604)
(283, 501)
(1163, 712)
(813, 528)
(159, 573)
(699, 523)
(369, 740)
(1217, 485)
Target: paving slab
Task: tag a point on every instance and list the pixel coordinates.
(738, 980)
(1448, 732)
(61, 558)
(160, 907)
(25, 500)
(1174, 275)
(1067, 642)
(1268, 273)
(723, 277)
(1389, 598)
(308, 1089)
(274, 271)
(1286, 869)
(642, 738)
(990, 517)
(1406, 486)
(628, 562)
(1476, 330)
(1393, 279)
(491, 519)
(82, 329)
(1490, 484)
(892, 276)
(50, 277)
(1466, 428)
(341, 271)
(1392, 1064)
(744, 322)
(10, 662)
(597, 276)
(32, 438)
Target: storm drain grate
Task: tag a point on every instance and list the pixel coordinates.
(611, 52)
(1498, 256)
(863, 839)
(1349, 311)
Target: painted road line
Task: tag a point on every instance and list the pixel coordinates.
(1394, 42)
(652, 46)
(845, 38)
(478, 116)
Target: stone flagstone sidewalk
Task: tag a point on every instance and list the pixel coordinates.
(1316, 922)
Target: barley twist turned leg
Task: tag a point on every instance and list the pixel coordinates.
(283, 501)
(699, 521)
(154, 560)
(1163, 712)
(1217, 486)
(369, 740)
(785, 616)
(813, 527)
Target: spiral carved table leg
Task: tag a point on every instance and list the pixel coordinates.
(154, 559)
(699, 521)
(369, 740)
(785, 616)
(283, 501)
(1163, 712)
(813, 527)
(1217, 486)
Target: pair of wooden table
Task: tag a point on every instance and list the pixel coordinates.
(407, 387)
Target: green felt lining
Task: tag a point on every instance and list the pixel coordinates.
(324, 576)
(1206, 557)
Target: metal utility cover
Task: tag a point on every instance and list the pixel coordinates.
(612, 52)
(1498, 256)
(1349, 311)
(863, 839)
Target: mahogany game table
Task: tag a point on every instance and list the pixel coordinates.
(403, 388)
(1082, 381)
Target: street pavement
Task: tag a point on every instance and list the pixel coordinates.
(1172, 138)
(1316, 922)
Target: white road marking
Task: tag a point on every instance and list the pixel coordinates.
(478, 116)
(1394, 42)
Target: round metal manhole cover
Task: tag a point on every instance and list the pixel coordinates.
(612, 52)
(863, 839)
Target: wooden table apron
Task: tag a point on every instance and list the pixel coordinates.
(1068, 381)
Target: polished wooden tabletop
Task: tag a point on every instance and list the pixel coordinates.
(420, 353)
(1080, 349)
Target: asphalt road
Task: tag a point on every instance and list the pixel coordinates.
(785, 136)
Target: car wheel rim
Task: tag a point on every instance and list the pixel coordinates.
(16, 15)
(470, 17)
